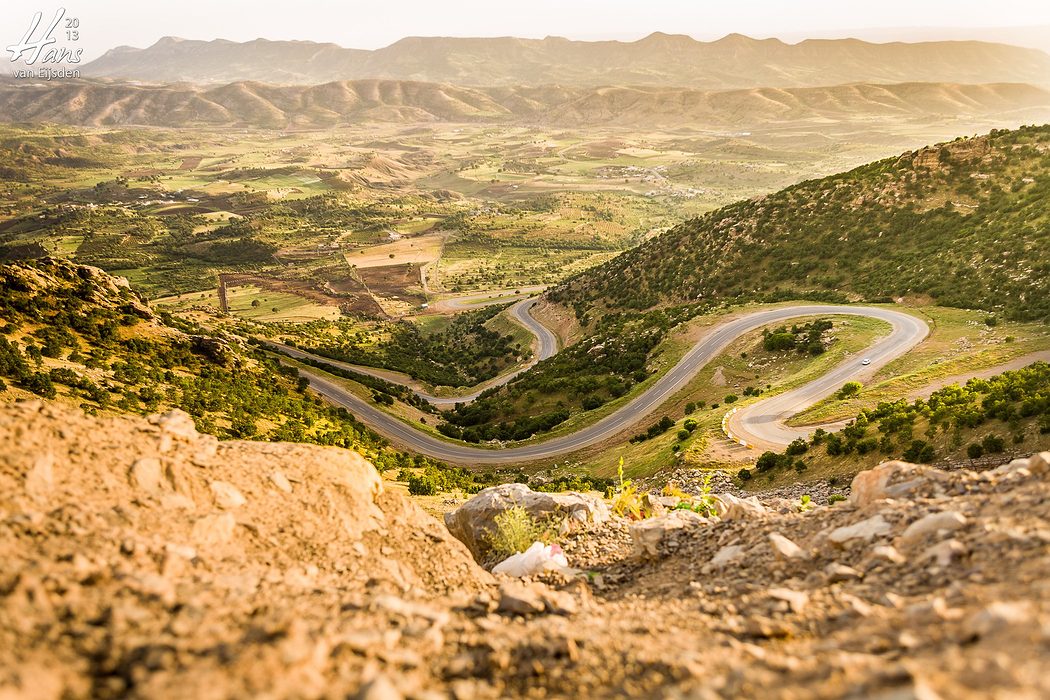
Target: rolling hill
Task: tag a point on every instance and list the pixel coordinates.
(93, 103)
(963, 224)
(734, 61)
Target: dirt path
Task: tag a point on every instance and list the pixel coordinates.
(224, 305)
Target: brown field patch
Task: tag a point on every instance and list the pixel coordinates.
(394, 281)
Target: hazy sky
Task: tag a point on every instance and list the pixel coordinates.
(375, 23)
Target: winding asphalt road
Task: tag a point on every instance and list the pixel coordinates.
(761, 424)
(544, 346)
(760, 421)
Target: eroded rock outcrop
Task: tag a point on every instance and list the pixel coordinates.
(128, 542)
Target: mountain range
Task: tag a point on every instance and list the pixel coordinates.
(101, 103)
(733, 62)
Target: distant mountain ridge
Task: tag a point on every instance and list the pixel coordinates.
(267, 106)
(732, 62)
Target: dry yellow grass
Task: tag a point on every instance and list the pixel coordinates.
(417, 250)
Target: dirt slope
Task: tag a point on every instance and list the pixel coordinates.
(144, 560)
(144, 556)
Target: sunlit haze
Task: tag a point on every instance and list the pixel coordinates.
(371, 25)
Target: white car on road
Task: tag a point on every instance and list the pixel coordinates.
(866, 361)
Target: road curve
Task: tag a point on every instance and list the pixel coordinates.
(907, 332)
(545, 344)
(761, 424)
(476, 301)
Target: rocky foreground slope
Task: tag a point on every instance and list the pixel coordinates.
(142, 559)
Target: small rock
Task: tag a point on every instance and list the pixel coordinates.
(796, 600)
(146, 474)
(1013, 466)
(214, 529)
(947, 521)
(998, 617)
(175, 423)
(380, 688)
(181, 550)
(784, 548)
(40, 478)
(732, 508)
(517, 598)
(874, 526)
(648, 535)
(887, 552)
(944, 553)
(1039, 464)
(858, 606)
(935, 609)
(892, 479)
(726, 555)
(907, 640)
(205, 449)
(227, 495)
(840, 572)
(279, 480)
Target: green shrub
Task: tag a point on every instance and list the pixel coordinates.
(919, 451)
(592, 402)
(514, 531)
(993, 444)
(767, 461)
(849, 389)
(422, 485)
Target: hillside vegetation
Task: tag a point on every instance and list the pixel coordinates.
(72, 333)
(963, 224)
(464, 353)
(1007, 414)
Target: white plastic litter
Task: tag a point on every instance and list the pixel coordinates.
(536, 559)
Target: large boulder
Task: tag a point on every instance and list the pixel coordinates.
(471, 522)
(130, 555)
(339, 521)
(895, 479)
